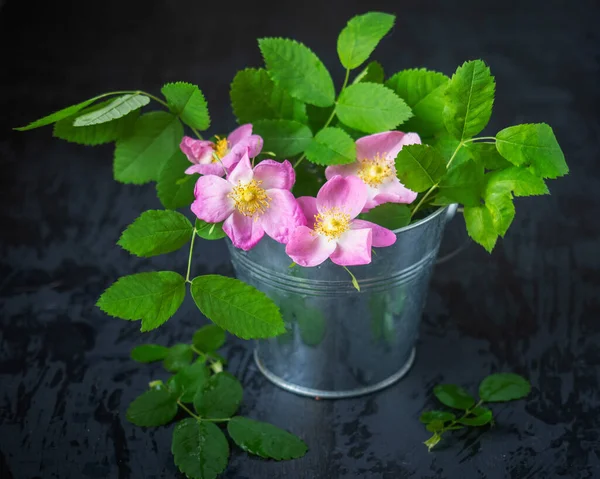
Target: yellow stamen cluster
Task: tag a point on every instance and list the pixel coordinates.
(221, 148)
(250, 199)
(376, 170)
(332, 223)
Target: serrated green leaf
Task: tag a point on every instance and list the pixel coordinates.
(479, 416)
(373, 73)
(148, 353)
(480, 226)
(209, 231)
(200, 450)
(499, 203)
(296, 69)
(188, 380)
(463, 184)
(371, 108)
(95, 134)
(331, 146)
(60, 114)
(209, 338)
(187, 101)
(361, 35)
(518, 180)
(504, 387)
(533, 145)
(174, 188)
(153, 408)
(220, 397)
(447, 146)
(140, 156)
(487, 155)
(453, 396)
(179, 356)
(115, 109)
(423, 91)
(237, 307)
(254, 96)
(265, 440)
(443, 416)
(419, 167)
(152, 297)
(156, 232)
(285, 138)
(388, 215)
(469, 99)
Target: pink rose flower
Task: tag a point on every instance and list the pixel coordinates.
(229, 150)
(375, 166)
(252, 202)
(332, 230)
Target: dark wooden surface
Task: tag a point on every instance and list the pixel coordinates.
(531, 307)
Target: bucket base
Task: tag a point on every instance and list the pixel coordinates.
(324, 394)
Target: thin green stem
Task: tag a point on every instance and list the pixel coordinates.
(425, 196)
(196, 132)
(155, 98)
(354, 280)
(456, 421)
(480, 138)
(189, 266)
(223, 419)
(454, 154)
(186, 409)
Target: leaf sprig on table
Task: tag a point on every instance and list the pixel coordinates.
(500, 387)
(210, 397)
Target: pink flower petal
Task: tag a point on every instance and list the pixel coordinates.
(353, 248)
(348, 194)
(387, 144)
(244, 232)
(283, 215)
(212, 203)
(275, 175)
(197, 151)
(342, 170)
(393, 191)
(210, 169)
(381, 238)
(242, 171)
(239, 134)
(308, 205)
(307, 248)
(254, 144)
(235, 155)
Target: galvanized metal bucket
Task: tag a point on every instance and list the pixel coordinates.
(341, 342)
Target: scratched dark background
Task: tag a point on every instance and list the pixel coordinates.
(531, 307)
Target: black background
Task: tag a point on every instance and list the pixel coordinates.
(531, 307)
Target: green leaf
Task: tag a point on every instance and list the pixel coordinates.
(285, 138)
(479, 416)
(156, 232)
(148, 353)
(189, 379)
(419, 167)
(361, 35)
(153, 408)
(296, 69)
(469, 100)
(140, 157)
(60, 114)
(447, 145)
(499, 203)
(443, 416)
(179, 356)
(209, 338)
(533, 145)
(331, 146)
(389, 215)
(152, 297)
(95, 134)
(480, 226)
(237, 307)
(373, 73)
(432, 441)
(318, 117)
(254, 96)
(371, 108)
(503, 387)
(209, 231)
(423, 91)
(116, 108)
(487, 155)
(453, 396)
(265, 440)
(220, 397)
(435, 425)
(462, 184)
(518, 180)
(187, 101)
(174, 188)
(200, 449)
